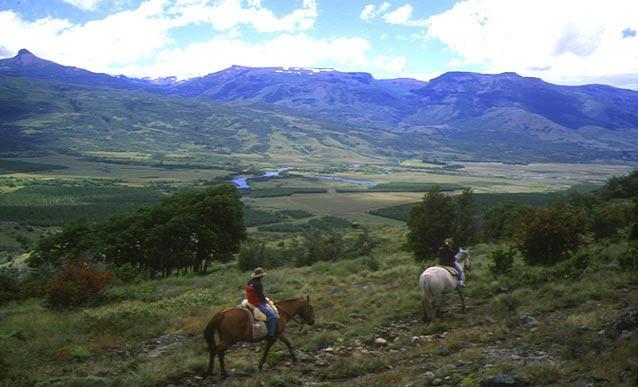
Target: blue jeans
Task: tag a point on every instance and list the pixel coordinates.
(271, 318)
(458, 269)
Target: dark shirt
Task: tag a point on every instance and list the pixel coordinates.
(446, 256)
(255, 283)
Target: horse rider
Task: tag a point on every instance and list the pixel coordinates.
(447, 258)
(255, 295)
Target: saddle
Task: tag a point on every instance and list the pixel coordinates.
(450, 270)
(257, 318)
(256, 313)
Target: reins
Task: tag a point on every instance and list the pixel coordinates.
(291, 317)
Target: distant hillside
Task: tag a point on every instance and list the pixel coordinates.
(459, 115)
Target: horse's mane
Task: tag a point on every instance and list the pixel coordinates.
(290, 299)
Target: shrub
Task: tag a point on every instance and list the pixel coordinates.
(321, 246)
(574, 266)
(252, 254)
(549, 234)
(633, 233)
(128, 272)
(37, 282)
(605, 221)
(78, 283)
(629, 260)
(362, 244)
(502, 260)
(9, 284)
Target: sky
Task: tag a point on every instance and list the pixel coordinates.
(561, 41)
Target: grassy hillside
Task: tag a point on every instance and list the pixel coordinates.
(46, 116)
(543, 325)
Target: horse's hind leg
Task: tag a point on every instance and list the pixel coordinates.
(287, 342)
(211, 361)
(220, 350)
(427, 309)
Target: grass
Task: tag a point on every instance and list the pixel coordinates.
(354, 304)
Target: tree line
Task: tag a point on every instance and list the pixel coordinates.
(542, 235)
(183, 232)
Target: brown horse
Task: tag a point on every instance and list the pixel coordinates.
(233, 325)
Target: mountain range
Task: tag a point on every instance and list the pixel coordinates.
(458, 115)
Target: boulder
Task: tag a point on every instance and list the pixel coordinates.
(627, 320)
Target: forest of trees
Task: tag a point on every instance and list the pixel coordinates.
(184, 232)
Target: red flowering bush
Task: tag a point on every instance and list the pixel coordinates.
(548, 234)
(78, 283)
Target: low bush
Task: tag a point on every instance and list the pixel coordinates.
(629, 260)
(574, 266)
(502, 260)
(9, 284)
(549, 234)
(128, 272)
(606, 220)
(78, 283)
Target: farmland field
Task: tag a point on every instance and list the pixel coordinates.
(321, 198)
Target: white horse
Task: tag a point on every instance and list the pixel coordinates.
(437, 280)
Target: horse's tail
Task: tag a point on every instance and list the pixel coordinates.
(211, 328)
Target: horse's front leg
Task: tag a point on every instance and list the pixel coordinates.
(287, 342)
(460, 290)
(269, 343)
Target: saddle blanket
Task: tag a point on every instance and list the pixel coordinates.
(450, 270)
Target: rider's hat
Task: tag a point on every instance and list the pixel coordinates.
(259, 272)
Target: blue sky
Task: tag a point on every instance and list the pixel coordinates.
(561, 41)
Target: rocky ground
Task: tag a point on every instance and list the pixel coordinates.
(397, 354)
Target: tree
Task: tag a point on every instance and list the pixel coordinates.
(75, 239)
(501, 222)
(465, 227)
(429, 223)
(549, 234)
(633, 234)
(183, 232)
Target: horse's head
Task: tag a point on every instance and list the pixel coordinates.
(463, 258)
(307, 312)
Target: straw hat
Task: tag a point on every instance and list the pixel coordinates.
(259, 272)
(449, 241)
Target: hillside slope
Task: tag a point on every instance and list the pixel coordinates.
(458, 115)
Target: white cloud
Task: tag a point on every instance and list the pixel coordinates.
(87, 5)
(388, 64)
(569, 41)
(299, 50)
(138, 42)
(399, 16)
(371, 11)
(124, 39)
(227, 14)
